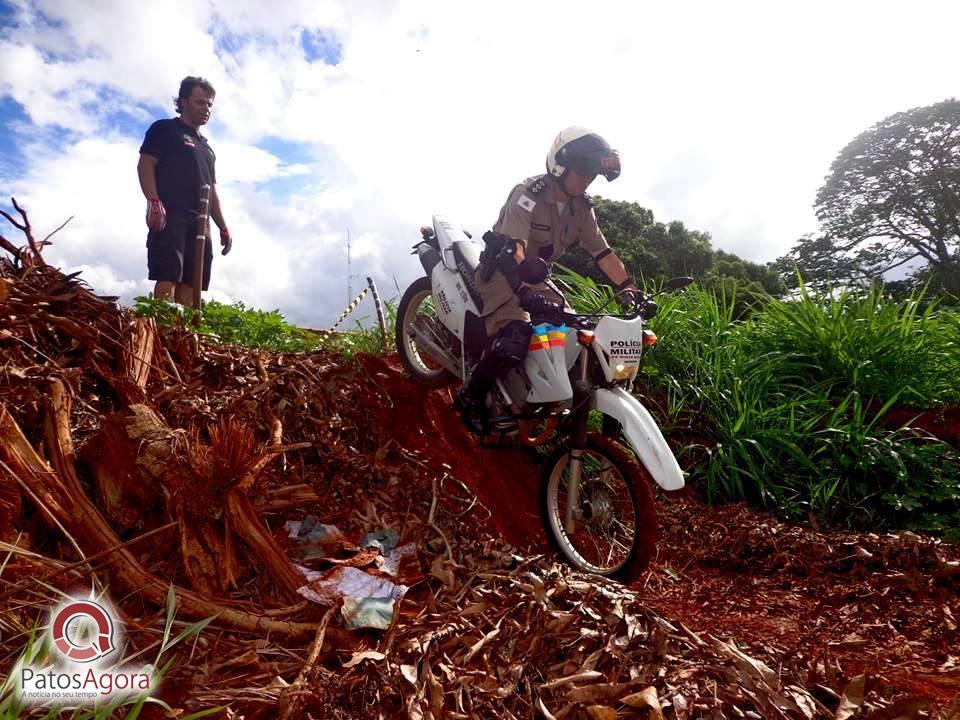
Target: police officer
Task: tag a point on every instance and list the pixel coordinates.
(175, 161)
(543, 216)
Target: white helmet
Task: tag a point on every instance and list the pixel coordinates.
(584, 152)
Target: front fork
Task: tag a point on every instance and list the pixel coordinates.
(578, 443)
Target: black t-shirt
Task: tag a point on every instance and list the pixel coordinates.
(185, 162)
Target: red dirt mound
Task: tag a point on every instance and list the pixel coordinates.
(506, 480)
(868, 602)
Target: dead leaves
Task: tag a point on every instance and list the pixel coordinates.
(852, 698)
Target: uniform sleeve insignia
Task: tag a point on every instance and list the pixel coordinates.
(527, 203)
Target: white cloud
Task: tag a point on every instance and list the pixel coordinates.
(728, 116)
(275, 257)
(102, 277)
(241, 164)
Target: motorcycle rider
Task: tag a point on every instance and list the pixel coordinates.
(543, 216)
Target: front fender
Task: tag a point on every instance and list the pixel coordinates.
(643, 434)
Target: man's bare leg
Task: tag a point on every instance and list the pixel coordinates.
(164, 289)
(184, 294)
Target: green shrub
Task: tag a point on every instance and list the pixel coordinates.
(869, 343)
(237, 324)
(793, 400)
(233, 324)
(789, 402)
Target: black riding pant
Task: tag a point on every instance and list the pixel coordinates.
(508, 349)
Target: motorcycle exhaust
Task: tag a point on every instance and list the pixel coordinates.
(428, 345)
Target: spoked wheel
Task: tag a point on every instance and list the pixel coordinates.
(615, 522)
(416, 315)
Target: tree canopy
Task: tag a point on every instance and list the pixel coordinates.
(891, 200)
(656, 251)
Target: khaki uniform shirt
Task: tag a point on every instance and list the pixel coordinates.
(533, 216)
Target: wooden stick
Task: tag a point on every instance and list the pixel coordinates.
(291, 698)
(200, 244)
(245, 522)
(28, 231)
(380, 318)
(46, 240)
(285, 497)
(139, 352)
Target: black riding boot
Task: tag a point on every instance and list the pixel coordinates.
(471, 400)
(507, 351)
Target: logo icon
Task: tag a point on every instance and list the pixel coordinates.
(81, 650)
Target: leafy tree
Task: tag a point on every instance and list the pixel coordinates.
(759, 278)
(657, 251)
(653, 249)
(892, 198)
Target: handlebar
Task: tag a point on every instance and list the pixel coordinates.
(643, 306)
(586, 321)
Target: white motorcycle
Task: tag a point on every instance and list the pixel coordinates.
(596, 499)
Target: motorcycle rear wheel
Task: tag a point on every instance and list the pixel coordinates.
(417, 302)
(616, 534)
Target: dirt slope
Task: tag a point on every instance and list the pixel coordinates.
(882, 605)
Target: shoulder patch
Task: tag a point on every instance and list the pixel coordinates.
(527, 203)
(588, 200)
(538, 185)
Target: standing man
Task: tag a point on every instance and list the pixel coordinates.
(175, 161)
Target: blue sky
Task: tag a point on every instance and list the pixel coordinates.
(321, 46)
(369, 116)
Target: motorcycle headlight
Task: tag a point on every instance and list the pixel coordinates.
(624, 372)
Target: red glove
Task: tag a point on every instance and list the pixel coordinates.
(225, 240)
(156, 215)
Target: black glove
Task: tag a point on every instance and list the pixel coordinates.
(538, 306)
(630, 299)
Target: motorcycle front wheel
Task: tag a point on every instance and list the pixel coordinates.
(416, 307)
(615, 530)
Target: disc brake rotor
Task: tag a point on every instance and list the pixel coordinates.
(598, 508)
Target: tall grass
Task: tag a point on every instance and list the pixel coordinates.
(866, 342)
(790, 402)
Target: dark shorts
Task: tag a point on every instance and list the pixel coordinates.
(170, 253)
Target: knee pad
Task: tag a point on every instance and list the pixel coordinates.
(511, 343)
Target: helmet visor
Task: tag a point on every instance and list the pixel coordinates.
(601, 161)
